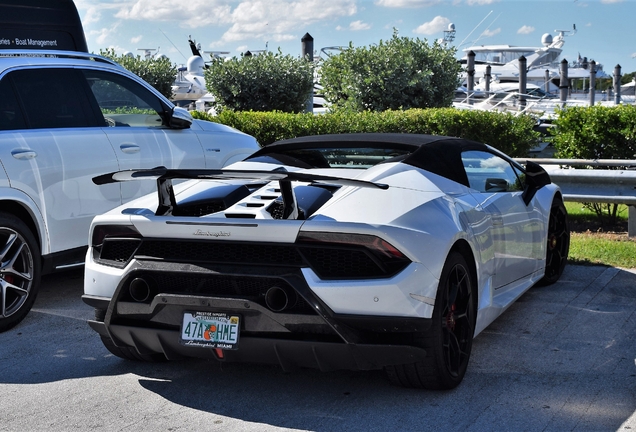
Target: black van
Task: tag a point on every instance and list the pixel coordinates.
(41, 25)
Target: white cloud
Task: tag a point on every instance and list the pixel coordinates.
(359, 25)
(436, 25)
(136, 39)
(282, 20)
(275, 20)
(480, 2)
(407, 3)
(92, 15)
(611, 1)
(103, 35)
(525, 30)
(191, 13)
(490, 33)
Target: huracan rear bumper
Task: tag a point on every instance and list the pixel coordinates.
(288, 354)
(308, 335)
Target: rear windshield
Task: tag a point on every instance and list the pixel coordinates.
(333, 157)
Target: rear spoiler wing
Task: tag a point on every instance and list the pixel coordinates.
(167, 200)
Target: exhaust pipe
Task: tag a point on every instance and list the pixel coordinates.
(139, 290)
(278, 299)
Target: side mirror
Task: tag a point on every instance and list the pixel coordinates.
(496, 185)
(180, 118)
(536, 178)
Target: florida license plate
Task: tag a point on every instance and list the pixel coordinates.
(210, 330)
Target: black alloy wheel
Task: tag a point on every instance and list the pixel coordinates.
(449, 342)
(558, 243)
(19, 270)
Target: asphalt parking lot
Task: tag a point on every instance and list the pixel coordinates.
(561, 358)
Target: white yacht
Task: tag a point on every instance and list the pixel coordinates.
(189, 87)
(504, 62)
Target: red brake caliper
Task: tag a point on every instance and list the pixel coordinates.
(450, 318)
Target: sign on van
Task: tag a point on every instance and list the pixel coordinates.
(25, 39)
(41, 25)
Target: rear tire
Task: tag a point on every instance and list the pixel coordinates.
(449, 341)
(558, 243)
(20, 270)
(130, 353)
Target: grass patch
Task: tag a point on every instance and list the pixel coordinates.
(594, 243)
(592, 248)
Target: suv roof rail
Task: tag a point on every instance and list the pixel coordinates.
(58, 54)
(41, 24)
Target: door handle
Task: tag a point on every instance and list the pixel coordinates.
(23, 154)
(130, 148)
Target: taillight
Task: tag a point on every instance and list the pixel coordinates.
(101, 232)
(340, 255)
(374, 243)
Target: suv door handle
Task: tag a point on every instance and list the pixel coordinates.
(23, 154)
(130, 148)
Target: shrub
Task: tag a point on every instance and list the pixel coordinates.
(264, 82)
(158, 72)
(597, 132)
(400, 73)
(510, 134)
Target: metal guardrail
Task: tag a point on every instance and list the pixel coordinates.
(602, 186)
(614, 186)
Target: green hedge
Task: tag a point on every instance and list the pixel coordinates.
(399, 73)
(511, 134)
(265, 82)
(597, 132)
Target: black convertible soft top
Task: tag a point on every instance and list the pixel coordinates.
(440, 155)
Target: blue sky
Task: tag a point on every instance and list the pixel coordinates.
(606, 29)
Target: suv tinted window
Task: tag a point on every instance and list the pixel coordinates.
(10, 113)
(124, 102)
(52, 98)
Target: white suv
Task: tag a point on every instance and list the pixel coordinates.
(66, 117)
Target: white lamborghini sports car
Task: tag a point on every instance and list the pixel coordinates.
(360, 252)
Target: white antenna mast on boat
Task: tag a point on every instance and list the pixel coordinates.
(565, 32)
(559, 40)
(449, 35)
(148, 52)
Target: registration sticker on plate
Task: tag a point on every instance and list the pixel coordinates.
(210, 330)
